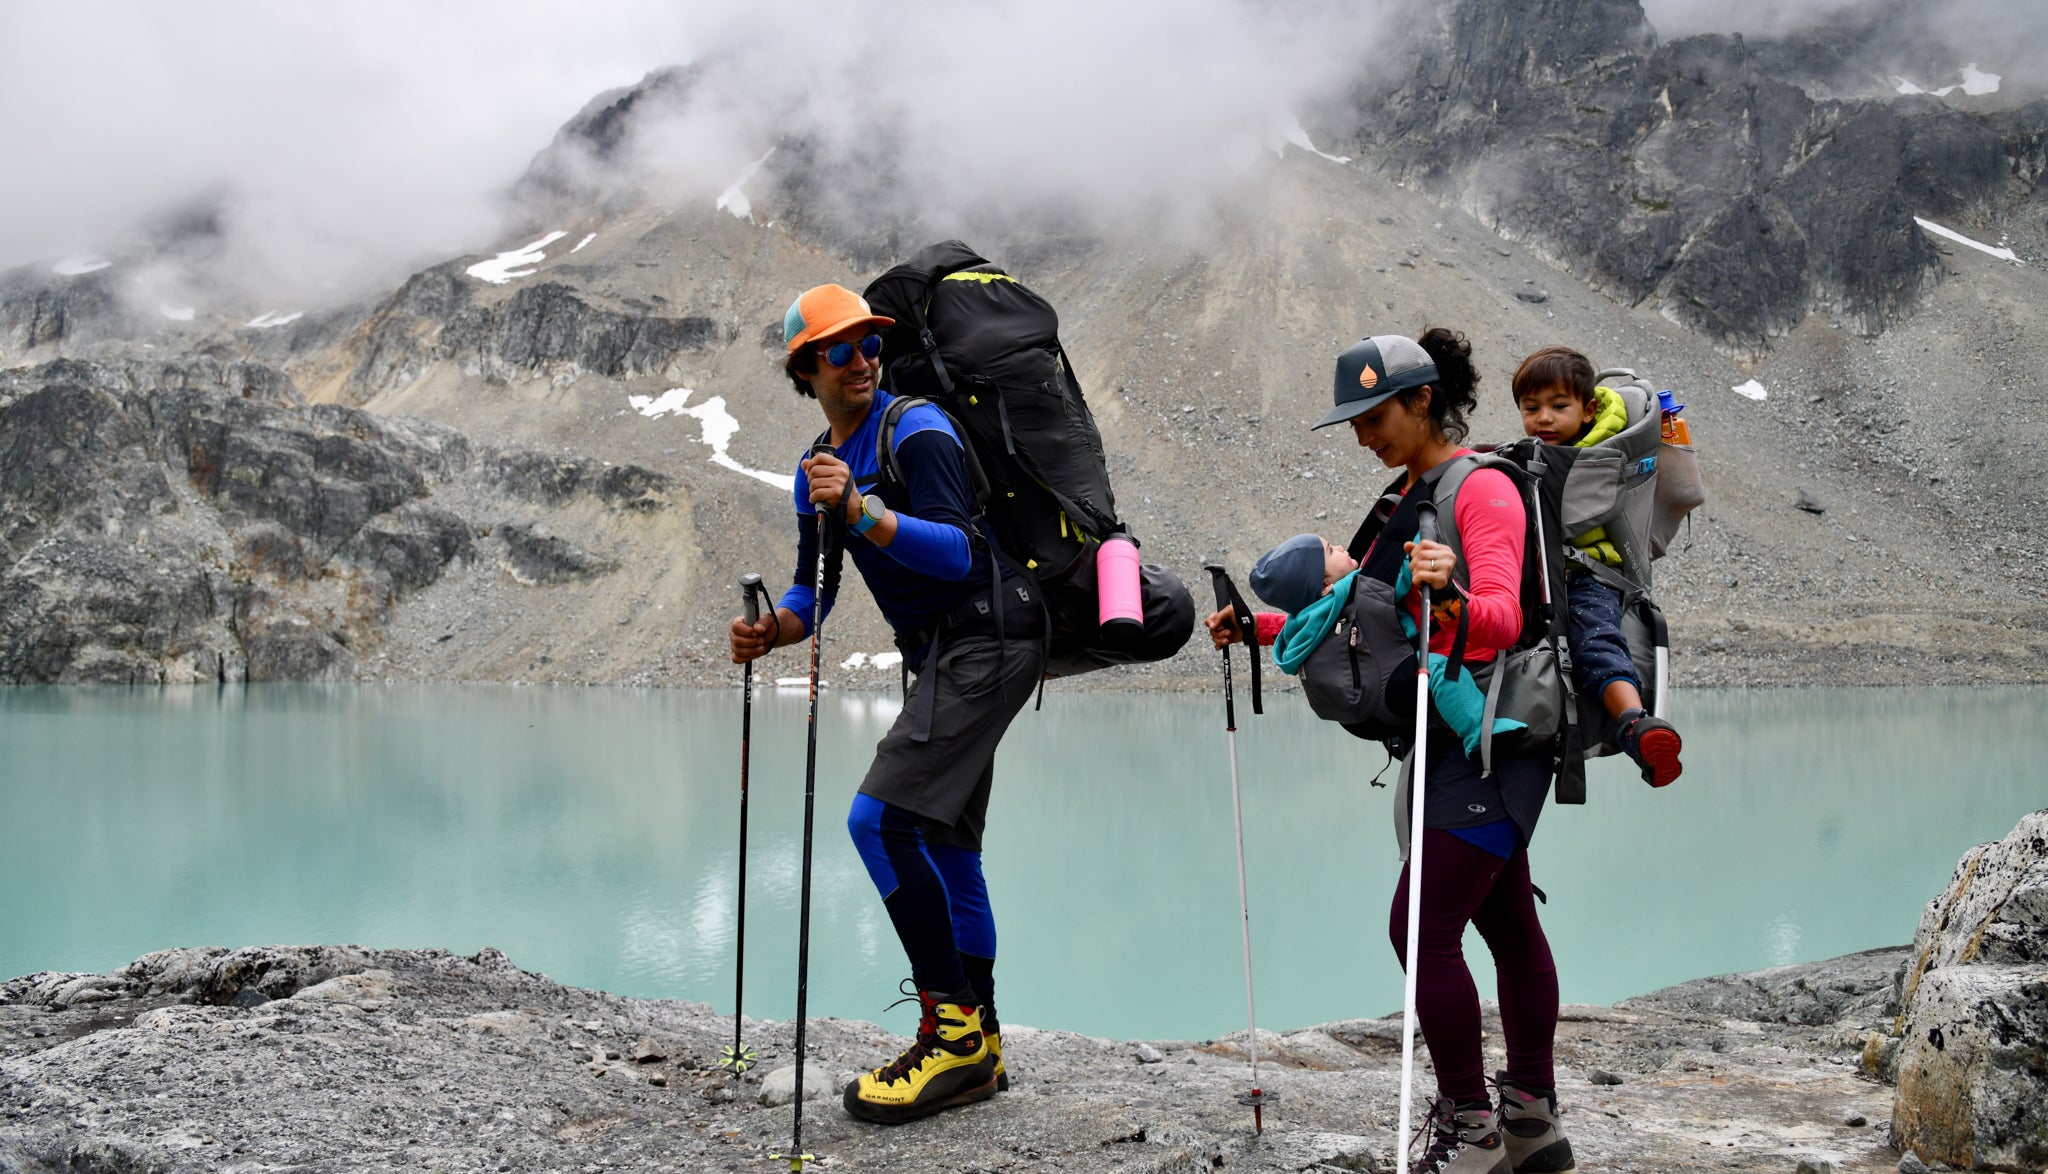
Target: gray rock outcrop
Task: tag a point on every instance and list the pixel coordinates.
(198, 521)
(546, 329)
(1970, 1049)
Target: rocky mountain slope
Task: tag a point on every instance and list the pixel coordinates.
(1723, 184)
(1876, 517)
(198, 521)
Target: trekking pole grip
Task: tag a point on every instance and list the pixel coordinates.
(750, 596)
(1220, 579)
(1227, 598)
(1425, 521)
(822, 449)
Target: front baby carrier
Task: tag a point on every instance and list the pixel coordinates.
(1523, 698)
(985, 349)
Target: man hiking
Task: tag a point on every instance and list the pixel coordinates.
(971, 633)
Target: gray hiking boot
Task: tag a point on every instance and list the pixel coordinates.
(1528, 1123)
(1463, 1141)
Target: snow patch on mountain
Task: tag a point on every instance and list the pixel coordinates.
(734, 199)
(270, 318)
(1293, 134)
(80, 263)
(586, 240)
(1975, 82)
(716, 428)
(1959, 238)
(175, 313)
(506, 266)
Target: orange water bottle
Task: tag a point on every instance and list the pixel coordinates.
(1675, 429)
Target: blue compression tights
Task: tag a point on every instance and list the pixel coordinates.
(935, 896)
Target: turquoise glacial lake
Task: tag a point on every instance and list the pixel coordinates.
(591, 835)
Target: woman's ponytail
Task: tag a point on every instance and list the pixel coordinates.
(1456, 390)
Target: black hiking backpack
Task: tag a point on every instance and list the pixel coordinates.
(985, 349)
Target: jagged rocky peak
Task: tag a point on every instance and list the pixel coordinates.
(590, 157)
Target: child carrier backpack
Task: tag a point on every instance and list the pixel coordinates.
(984, 348)
(1637, 487)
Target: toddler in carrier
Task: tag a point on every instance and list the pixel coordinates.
(1560, 405)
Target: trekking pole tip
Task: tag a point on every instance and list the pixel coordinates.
(796, 1161)
(1258, 1099)
(738, 1059)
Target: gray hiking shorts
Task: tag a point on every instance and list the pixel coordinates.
(981, 685)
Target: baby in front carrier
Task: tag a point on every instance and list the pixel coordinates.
(1299, 571)
(1554, 390)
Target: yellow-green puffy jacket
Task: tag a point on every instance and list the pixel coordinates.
(1610, 417)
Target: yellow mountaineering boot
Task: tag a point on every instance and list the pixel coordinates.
(949, 1063)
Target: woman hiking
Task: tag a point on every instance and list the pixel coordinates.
(1406, 400)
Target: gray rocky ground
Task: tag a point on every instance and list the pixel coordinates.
(340, 1058)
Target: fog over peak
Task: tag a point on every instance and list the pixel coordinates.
(341, 146)
(324, 152)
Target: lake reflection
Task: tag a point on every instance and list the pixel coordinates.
(590, 834)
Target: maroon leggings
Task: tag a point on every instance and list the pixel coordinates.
(1461, 884)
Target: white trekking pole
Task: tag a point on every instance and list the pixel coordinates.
(1425, 532)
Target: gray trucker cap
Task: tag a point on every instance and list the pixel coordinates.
(1372, 369)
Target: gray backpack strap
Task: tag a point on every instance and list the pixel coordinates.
(1453, 479)
(1445, 494)
(1612, 577)
(1486, 719)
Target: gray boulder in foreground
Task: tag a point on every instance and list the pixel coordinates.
(343, 1058)
(1970, 1051)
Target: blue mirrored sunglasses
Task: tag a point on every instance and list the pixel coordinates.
(839, 354)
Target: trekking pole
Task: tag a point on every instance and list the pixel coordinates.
(738, 1058)
(1227, 597)
(797, 1156)
(1425, 532)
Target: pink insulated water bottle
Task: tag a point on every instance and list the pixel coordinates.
(1120, 605)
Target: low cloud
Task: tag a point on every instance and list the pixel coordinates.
(329, 149)
(322, 145)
